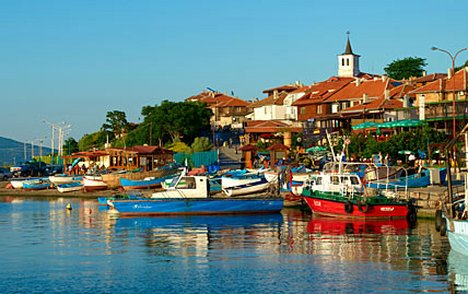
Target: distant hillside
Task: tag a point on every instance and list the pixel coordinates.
(12, 151)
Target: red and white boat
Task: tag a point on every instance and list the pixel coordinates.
(343, 195)
(93, 183)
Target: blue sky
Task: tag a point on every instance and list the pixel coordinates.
(72, 61)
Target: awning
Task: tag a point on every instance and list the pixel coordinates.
(365, 125)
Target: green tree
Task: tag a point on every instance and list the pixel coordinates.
(70, 146)
(177, 120)
(460, 67)
(116, 124)
(179, 147)
(201, 144)
(404, 68)
(94, 140)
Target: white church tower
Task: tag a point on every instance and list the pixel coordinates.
(348, 62)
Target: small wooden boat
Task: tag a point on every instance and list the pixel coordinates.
(240, 177)
(70, 187)
(249, 188)
(194, 198)
(36, 185)
(64, 179)
(93, 183)
(146, 183)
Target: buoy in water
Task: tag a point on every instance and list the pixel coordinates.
(69, 207)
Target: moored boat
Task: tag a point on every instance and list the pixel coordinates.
(240, 177)
(64, 179)
(146, 183)
(36, 184)
(249, 188)
(69, 187)
(93, 183)
(194, 198)
(343, 195)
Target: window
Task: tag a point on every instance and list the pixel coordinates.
(319, 109)
(303, 110)
(318, 181)
(335, 180)
(347, 61)
(342, 61)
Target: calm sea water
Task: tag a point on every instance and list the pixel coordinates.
(47, 249)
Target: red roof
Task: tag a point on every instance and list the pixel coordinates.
(458, 82)
(357, 89)
(285, 88)
(378, 104)
(268, 126)
(270, 100)
(248, 147)
(214, 99)
(278, 146)
(401, 91)
(318, 92)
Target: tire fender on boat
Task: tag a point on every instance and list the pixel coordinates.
(411, 217)
(348, 207)
(363, 206)
(438, 219)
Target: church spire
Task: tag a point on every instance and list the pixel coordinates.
(348, 49)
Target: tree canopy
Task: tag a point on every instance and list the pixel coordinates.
(405, 68)
(116, 124)
(170, 122)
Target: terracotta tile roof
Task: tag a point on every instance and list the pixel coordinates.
(318, 92)
(446, 85)
(268, 126)
(377, 104)
(285, 88)
(402, 90)
(356, 90)
(429, 78)
(432, 87)
(214, 99)
(270, 100)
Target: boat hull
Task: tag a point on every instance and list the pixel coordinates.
(69, 187)
(336, 208)
(141, 184)
(197, 206)
(457, 232)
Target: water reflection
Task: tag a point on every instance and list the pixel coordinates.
(458, 271)
(293, 249)
(202, 235)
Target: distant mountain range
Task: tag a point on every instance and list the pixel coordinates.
(13, 152)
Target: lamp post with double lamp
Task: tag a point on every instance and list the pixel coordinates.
(454, 111)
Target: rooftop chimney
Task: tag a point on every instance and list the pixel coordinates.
(424, 73)
(275, 94)
(387, 94)
(449, 73)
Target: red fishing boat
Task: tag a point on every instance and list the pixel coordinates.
(343, 195)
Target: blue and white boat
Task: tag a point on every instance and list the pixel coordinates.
(249, 188)
(36, 184)
(194, 198)
(417, 180)
(69, 187)
(240, 177)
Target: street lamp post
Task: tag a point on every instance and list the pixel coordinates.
(454, 113)
(453, 58)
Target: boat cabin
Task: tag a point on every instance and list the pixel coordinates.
(186, 187)
(339, 183)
